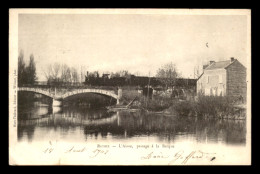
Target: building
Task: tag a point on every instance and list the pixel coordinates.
(224, 78)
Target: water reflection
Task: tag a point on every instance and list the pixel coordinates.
(83, 124)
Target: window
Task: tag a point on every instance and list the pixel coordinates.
(215, 92)
(220, 92)
(207, 79)
(207, 91)
(220, 79)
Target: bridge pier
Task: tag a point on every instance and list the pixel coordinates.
(119, 95)
(56, 103)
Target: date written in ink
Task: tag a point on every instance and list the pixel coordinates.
(97, 152)
(48, 150)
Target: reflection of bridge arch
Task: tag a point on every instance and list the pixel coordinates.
(88, 122)
(47, 120)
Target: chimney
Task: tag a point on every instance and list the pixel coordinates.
(232, 59)
(210, 62)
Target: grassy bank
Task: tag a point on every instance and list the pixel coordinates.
(208, 106)
(157, 103)
(203, 106)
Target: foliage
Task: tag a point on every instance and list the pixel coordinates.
(128, 96)
(31, 71)
(21, 69)
(92, 78)
(56, 73)
(184, 108)
(168, 74)
(26, 74)
(157, 103)
(122, 73)
(214, 106)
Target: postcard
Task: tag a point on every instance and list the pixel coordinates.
(129, 87)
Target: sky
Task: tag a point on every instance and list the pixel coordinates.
(139, 43)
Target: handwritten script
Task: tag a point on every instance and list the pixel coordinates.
(185, 157)
(154, 153)
(180, 156)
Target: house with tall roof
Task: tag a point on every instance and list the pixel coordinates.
(223, 78)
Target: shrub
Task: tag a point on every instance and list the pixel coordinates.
(158, 103)
(184, 108)
(128, 96)
(216, 106)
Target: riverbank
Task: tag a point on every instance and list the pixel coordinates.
(203, 107)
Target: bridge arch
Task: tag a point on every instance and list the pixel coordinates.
(38, 91)
(57, 98)
(96, 91)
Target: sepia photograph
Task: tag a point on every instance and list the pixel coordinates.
(129, 86)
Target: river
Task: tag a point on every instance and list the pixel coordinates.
(39, 122)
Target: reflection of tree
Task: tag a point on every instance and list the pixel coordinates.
(27, 131)
(168, 128)
(97, 123)
(27, 99)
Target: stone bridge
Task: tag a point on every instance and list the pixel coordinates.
(57, 98)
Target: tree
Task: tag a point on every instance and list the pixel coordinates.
(74, 75)
(55, 70)
(65, 73)
(21, 69)
(31, 71)
(114, 74)
(168, 74)
(26, 74)
(61, 73)
(48, 73)
(52, 72)
(122, 73)
(137, 73)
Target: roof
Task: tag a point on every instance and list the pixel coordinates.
(219, 65)
(200, 76)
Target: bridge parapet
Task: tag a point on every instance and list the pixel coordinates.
(59, 96)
